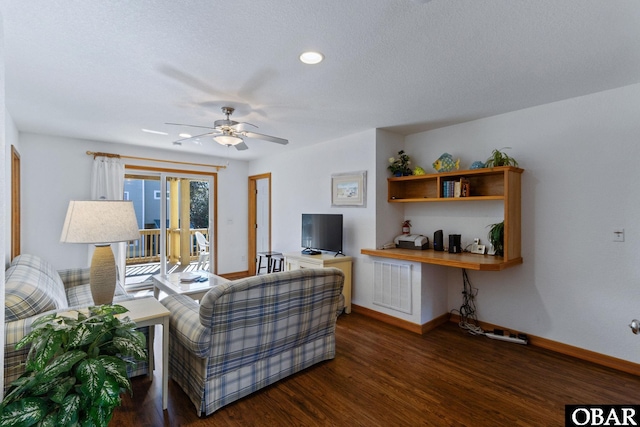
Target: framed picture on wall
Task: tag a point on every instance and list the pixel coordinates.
(349, 189)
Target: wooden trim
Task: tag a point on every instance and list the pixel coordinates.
(568, 350)
(235, 275)
(400, 323)
(253, 220)
(119, 156)
(16, 186)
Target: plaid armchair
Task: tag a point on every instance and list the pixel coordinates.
(34, 288)
(252, 332)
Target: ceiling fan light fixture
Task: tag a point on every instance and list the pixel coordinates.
(311, 57)
(227, 140)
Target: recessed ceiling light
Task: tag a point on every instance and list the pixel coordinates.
(184, 135)
(155, 132)
(311, 57)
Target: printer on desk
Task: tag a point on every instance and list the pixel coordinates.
(412, 241)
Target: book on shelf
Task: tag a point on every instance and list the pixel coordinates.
(457, 189)
(465, 187)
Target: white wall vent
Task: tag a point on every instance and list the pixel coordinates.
(392, 286)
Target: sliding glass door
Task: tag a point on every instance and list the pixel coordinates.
(173, 208)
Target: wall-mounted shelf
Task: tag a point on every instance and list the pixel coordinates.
(497, 183)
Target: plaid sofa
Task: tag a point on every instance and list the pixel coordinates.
(34, 288)
(249, 333)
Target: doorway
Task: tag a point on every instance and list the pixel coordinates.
(259, 218)
(172, 208)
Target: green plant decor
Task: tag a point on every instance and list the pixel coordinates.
(74, 372)
(500, 158)
(400, 166)
(496, 237)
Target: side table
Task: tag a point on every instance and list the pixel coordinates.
(149, 312)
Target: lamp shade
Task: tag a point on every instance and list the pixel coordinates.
(100, 221)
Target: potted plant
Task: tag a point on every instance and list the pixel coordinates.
(496, 237)
(400, 166)
(74, 370)
(500, 158)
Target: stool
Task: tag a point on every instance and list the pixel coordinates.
(268, 256)
(278, 263)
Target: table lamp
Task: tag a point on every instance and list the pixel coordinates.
(101, 222)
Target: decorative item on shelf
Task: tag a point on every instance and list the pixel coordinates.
(74, 372)
(400, 166)
(101, 222)
(445, 163)
(477, 165)
(406, 226)
(499, 158)
(418, 171)
(496, 237)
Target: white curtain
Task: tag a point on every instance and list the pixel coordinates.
(107, 183)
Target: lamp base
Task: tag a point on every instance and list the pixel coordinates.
(102, 275)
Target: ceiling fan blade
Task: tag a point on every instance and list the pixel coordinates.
(241, 146)
(265, 137)
(193, 126)
(179, 141)
(239, 126)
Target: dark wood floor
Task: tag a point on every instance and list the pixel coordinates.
(385, 376)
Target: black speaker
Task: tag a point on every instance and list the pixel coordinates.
(438, 244)
(455, 245)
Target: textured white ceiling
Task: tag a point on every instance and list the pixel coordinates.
(103, 70)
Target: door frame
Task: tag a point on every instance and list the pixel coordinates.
(186, 173)
(252, 255)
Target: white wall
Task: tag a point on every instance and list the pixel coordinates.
(3, 198)
(580, 156)
(301, 183)
(56, 170)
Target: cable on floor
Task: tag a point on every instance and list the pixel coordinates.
(467, 311)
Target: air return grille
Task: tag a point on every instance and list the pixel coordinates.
(392, 286)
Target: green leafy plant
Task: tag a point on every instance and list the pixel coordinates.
(400, 165)
(500, 158)
(74, 372)
(496, 237)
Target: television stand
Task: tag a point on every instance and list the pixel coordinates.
(295, 261)
(310, 251)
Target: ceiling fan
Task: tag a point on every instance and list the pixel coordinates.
(229, 132)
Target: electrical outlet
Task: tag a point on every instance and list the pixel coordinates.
(478, 249)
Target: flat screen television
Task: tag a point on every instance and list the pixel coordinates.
(321, 232)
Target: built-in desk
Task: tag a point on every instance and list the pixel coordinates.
(429, 256)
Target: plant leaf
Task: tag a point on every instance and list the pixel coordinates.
(69, 410)
(110, 393)
(24, 412)
(43, 320)
(61, 364)
(130, 348)
(91, 375)
(62, 388)
(82, 335)
(43, 350)
(51, 420)
(117, 369)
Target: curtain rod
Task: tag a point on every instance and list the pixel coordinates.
(98, 154)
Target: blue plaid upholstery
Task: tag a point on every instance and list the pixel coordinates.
(249, 333)
(34, 288)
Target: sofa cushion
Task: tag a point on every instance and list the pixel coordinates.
(54, 287)
(27, 293)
